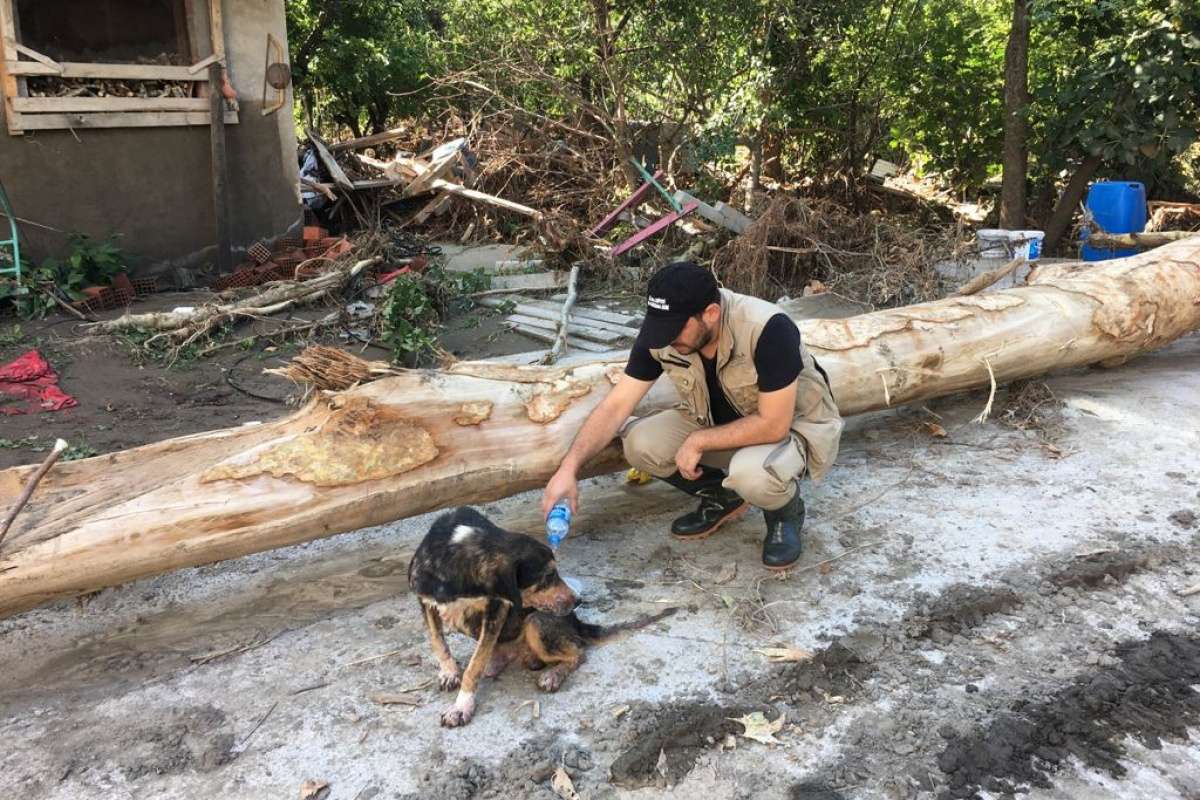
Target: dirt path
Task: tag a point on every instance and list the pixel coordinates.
(1009, 620)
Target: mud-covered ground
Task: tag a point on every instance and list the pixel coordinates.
(1003, 616)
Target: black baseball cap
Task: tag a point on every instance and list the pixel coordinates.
(676, 292)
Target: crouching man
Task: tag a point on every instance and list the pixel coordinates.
(757, 412)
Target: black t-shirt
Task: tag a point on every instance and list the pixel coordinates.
(776, 359)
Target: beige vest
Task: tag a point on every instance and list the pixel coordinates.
(817, 421)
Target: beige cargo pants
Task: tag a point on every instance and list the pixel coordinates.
(764, 475)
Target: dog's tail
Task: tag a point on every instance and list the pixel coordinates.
(602, 633)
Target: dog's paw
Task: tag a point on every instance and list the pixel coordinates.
(460, 713)
(551, 680)
(497, 665)
(449, 681)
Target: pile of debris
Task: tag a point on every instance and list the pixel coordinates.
(882, 260)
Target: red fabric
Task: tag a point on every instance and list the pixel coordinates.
(32, 382)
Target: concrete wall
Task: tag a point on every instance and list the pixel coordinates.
(153, 185)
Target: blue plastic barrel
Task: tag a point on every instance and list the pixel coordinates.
(1119, 207)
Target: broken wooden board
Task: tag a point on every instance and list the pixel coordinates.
(551, 313)
(582, 331)
(587, 312)
(573, 342)
(340, 178)
(530, 281)
(720, 214)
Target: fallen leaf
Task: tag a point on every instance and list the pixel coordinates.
(727, 574)
(1051, 450)
(825, 567)
(728, 601)
(785, 654)
(759, 728)
(620, 712)
(661, 766)
(562, 785)
(314, 790)
(934, 429)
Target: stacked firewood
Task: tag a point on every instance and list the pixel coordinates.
(54, 86)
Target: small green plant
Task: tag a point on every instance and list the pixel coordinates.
(90, 263)
(13, 336)
(96, 262)
(408, 319)
(74, 452)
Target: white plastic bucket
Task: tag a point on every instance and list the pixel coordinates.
(1027, 244)
(1000, 243)
(992, 242)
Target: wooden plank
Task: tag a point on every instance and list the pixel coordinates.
(217, 24)
(552, 316)
(534, 308)
(120, 119)
(434, 207)
(582, 331)
(431, 175)
(74, 105)
(630, 203)
(45, 61)
(499, 202)
(8, 82)
(572, 341)
(376, 183)
(726, 216)
(203, 64)
(368, 141)
(335, 171)
(128, 72)
(599, 314)
(220, 169)
(530, 281)
(655, 227)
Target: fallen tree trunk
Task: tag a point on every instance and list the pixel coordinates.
(1117, 241)
(475, 432)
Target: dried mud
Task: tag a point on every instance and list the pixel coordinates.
(1148, 696)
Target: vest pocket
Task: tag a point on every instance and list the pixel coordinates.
(739, 379)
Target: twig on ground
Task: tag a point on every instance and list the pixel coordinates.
(987, 409)
(241, 746)
(59, 446)
(374, 658)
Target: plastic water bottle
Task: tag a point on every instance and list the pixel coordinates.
(558, 522)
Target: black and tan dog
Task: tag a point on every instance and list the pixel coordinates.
(502, 589)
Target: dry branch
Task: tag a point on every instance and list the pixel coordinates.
(475, 432)
(560, 339)
(1117, 241)
(986, 279)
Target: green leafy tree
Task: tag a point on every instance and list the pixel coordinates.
(1117, 89)
(362, 63)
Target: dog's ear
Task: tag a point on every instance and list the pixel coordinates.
(508, 587)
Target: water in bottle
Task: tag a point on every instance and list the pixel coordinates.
(558, 523)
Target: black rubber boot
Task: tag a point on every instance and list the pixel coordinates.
(718, 505)
(783, 544)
